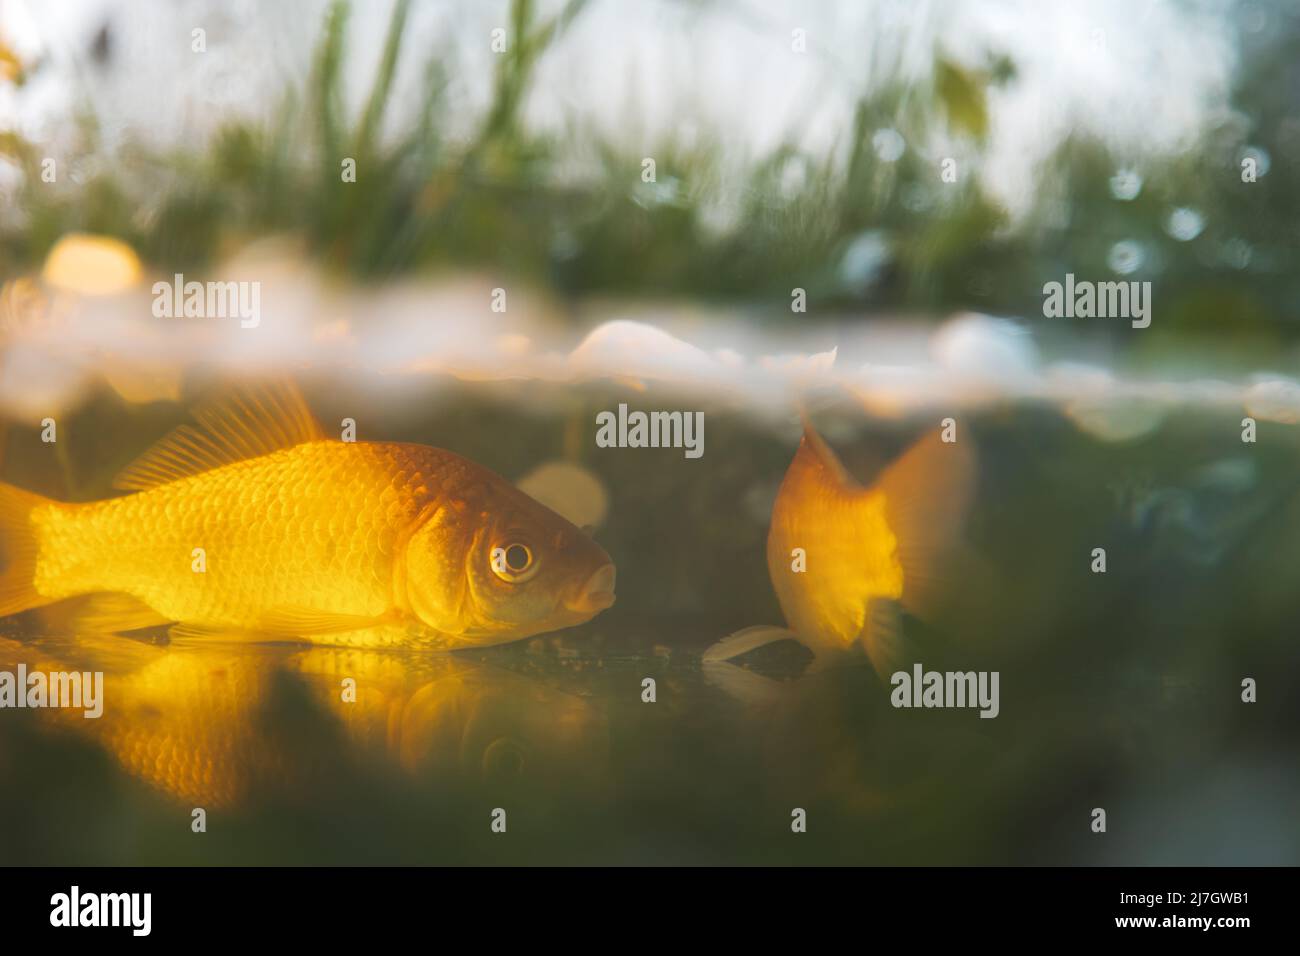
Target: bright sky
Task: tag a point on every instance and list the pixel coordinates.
(1144, 72)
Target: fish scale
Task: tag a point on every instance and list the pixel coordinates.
(348, 542)
(310, 526)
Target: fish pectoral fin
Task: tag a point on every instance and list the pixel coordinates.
(746, 640)
(303, 621)
(185, 632)
(247, 422)
(189, 631)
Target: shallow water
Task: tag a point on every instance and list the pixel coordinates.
(1119, 690)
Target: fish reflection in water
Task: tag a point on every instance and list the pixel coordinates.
(212, 724)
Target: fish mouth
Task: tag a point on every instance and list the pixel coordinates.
(597, 594)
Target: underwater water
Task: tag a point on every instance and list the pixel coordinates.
(1120, 690)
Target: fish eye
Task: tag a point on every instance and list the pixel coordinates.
(513, 563)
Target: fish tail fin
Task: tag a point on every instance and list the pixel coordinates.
(928, 493)
(18, 550)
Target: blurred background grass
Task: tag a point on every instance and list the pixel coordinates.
(866, 227)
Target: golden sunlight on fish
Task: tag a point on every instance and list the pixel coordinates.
(843, 557)
(253, 522)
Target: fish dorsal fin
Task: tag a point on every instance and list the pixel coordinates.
(249, 421)
(814, 444)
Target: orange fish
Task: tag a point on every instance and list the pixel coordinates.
(843, 557)
(254, 522)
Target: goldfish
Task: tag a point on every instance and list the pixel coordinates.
(844, 558)
(252, 522)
